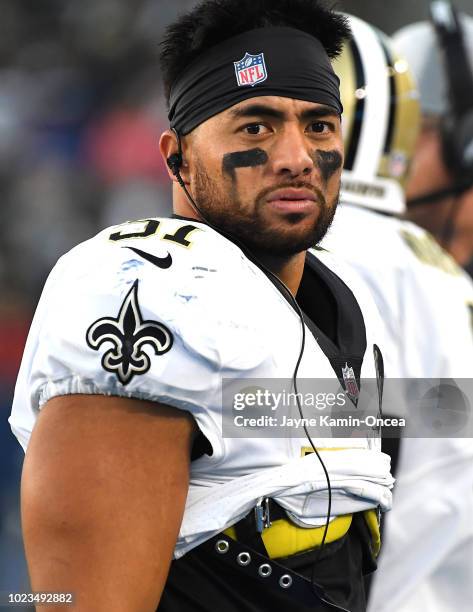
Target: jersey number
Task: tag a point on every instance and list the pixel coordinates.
(149, 227)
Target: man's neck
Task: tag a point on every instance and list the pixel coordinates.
(288, 269)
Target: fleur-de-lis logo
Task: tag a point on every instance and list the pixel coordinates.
(128, 333)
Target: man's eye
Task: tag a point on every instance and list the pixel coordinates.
(254, 129)
(319, 127)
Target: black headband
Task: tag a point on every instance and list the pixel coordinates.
(272, 61)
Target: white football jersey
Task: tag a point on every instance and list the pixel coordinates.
(425, 301)
(167, 310)
(423, 296)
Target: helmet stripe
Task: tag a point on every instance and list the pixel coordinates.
(359, 112)
(392, 97)
(376, 94)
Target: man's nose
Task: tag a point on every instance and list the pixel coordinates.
(291, 155)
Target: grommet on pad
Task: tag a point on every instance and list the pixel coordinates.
(285, 581)
(265, 570)
(222, 546)
(244, 558)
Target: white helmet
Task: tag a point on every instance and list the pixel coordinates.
(418, 43)
(381, 119)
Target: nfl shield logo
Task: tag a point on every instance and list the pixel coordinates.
(349, 379)
(251, 70)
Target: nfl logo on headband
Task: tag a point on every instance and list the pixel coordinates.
(251, 70)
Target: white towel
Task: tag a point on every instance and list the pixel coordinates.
(360, 479)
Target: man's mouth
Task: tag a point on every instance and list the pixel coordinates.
(292, 200)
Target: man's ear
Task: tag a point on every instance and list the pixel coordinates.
(169, 148)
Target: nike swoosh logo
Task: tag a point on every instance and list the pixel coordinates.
(162, 262)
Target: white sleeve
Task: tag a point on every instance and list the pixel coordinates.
(113, 325)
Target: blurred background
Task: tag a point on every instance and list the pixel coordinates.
(81, 112)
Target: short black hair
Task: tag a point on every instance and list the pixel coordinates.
(213, 21)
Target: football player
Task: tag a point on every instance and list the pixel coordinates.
(440, 188)
(424, 298)
(144, 350)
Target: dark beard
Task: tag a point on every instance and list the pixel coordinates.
(225, 212)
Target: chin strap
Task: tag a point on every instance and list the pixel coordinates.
(433, 197)
(445, 236)
(447, 232)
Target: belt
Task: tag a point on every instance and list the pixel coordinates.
(270, 572)
(283, 538)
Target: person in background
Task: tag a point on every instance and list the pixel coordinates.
(423, 297)
(440, 187)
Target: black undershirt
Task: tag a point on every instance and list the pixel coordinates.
(318, 303)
